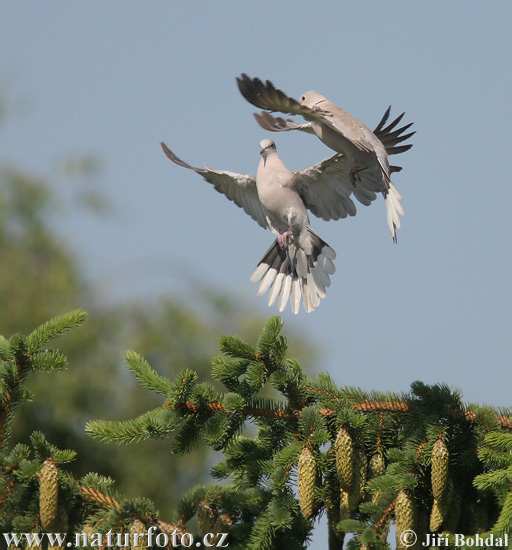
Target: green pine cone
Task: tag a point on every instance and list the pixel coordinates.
(48, 495)
(376, 466)
(222, 525)
(439, 474)
(307, 481)
(344, 505)
(138, 528)
(331, 500)
(344, 449)
(404, 516)
(205, 518)
(436, 516)
(357, 487)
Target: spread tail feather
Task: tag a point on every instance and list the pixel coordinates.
(393, 208)
(297, 273)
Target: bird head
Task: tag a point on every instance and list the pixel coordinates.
(311, 99)
(267, 146)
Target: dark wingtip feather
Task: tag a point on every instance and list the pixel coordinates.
(382, 121)
(395, 122)
(390, 139)
(399, 149)
(173, 158)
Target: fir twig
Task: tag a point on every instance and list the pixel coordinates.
(53, 328)
(91, 494)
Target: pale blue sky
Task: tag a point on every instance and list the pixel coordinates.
(117, 77)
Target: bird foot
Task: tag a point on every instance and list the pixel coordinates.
(283, 239)
(355, 178)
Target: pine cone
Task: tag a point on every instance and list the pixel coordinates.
(404, 515)
(205, 518)
(344, 449)
(436, 516)
(344, 505)
(307, 481)
(376, 466)
(439, 473)
(138, 528)
(331, 499)
(49, 495)
(222, 525)
(356, 492)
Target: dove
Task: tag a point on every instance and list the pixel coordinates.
(366, 151)
(298, 265)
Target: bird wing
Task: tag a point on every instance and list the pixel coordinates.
(239, 188)
(390, 139)
(266, 96)
(326, 189)
(278, 124)
(388, 136)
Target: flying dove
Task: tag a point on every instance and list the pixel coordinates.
(366, 152)
(298, 264)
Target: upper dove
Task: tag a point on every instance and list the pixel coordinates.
(366, 152)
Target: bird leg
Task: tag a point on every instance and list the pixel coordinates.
(354, 176)
(282, 239)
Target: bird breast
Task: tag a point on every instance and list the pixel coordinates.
(284, 207)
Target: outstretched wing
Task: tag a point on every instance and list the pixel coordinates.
(326, 188)
(266, 96)
(239, 188)
(389, 138)
(278, 124)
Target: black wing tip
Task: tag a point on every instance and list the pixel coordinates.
(167, 152)
(176, 160)
(262, 93)
(399, 149)
(250, 88)
(243, 80)
(383, 120)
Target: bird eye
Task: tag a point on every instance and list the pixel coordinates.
(303, 98)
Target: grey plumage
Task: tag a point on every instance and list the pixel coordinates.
(366, 152)
(298, 265)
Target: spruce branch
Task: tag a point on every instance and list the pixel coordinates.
(22, 355)
(97, 497)
(157, 423)
(48, 360)
(503, 524)
(5, 349)
(394, 433)
(146, 375)
(53, 328)
(7, 492)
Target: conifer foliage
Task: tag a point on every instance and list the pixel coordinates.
(423, 460)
